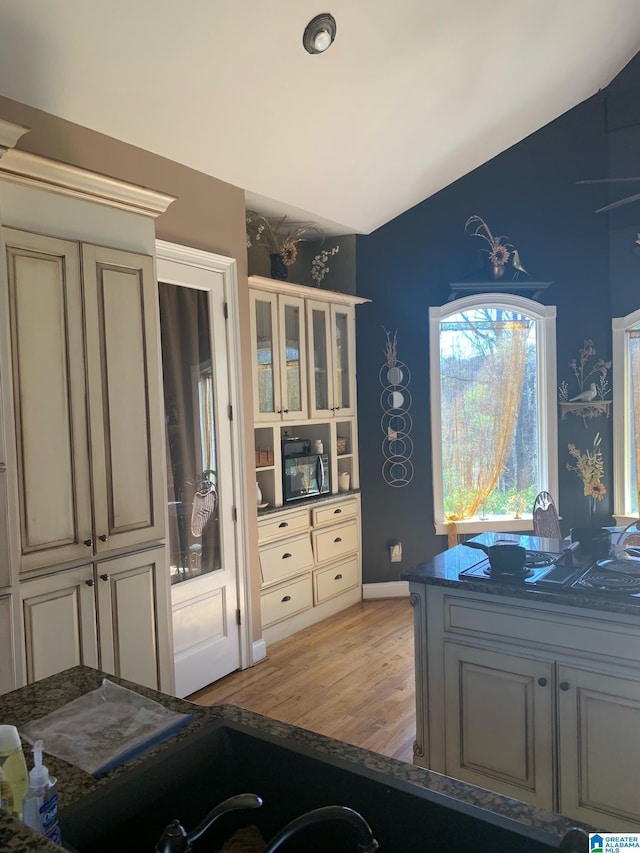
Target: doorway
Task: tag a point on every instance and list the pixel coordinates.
(205, 531)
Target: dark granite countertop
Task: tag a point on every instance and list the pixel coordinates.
(36, 700)
(443, 570)
(307, 503)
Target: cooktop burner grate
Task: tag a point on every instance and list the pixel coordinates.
(608, 581)
(539, 559)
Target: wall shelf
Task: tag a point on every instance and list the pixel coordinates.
(586, 411)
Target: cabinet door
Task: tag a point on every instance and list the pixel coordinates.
(499, 733)
(293, 357)
(59, 618)
(343, 359)
(320, 356)
(599, 743)
(47, 343)
(7, 664)
(265, 354)
(126, 419)
(132, 598)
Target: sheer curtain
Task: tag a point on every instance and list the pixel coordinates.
(482, 368)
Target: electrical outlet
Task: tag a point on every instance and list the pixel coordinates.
(395, 552)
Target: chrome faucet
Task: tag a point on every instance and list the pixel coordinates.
(175, 839)
(366, 841)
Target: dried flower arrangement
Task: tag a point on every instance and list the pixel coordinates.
(589, 467)
(500, 251)
(273, 237)
(319, 266)
(391, 348)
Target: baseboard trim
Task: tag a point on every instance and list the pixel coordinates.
(258, 651)
(389, 589)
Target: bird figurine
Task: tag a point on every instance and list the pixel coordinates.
(586, 396)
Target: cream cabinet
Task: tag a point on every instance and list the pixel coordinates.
(279, 355)
(535, 701)
(86, 398)
(310, 564)
(7, 669)
(103, 615)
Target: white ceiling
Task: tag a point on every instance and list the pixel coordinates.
(412, 95)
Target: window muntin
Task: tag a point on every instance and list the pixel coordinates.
(493, 400)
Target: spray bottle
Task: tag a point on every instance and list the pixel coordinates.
(13, 770)
(40, 805)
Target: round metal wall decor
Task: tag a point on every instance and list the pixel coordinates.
(396, 422)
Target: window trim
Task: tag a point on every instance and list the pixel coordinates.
(545, 315)
(621, 425)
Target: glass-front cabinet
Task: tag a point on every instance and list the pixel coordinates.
(279, 357)
(332, 354)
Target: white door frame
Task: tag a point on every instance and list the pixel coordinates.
(173, 253)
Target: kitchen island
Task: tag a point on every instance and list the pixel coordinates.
(74, 785)
(527, 689)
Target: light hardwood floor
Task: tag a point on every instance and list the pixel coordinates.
(350, 677)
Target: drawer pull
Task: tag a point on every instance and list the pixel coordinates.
(337, 539)
(283, 524)
(542, 682)
(286, 556)
(338, 578)
(286, 598)
(337, 511)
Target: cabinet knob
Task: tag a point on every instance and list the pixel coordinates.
(285, 411)
(564, 685)
(338, 539)
(90, 582)
(283, 524)
(338, 578)
(88, 542)
(542, 682)
(286, 556)
(286, 598)
(336, 408)
(103, 538)
(104, 577)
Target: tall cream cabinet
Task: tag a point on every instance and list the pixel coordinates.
(304, 383)
(83, 474)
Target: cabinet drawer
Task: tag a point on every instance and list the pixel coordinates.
(335, 579)
(284, 559)
(279, 526)
(334, 542)
(280, 603)
(334, 513)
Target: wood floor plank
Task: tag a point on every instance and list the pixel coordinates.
(349, 677)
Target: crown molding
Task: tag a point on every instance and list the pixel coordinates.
(31, 170)
(10, 133)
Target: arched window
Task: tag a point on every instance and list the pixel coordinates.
(494, 411)
(626, 422)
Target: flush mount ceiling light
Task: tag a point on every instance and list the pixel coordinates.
(319, 33)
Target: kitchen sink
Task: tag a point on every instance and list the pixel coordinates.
(188, 777)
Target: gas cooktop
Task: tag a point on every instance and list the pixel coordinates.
(547, 570)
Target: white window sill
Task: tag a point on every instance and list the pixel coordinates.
(492, 524)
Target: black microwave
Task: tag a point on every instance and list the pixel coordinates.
(305, 476)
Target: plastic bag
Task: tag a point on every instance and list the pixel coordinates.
(104, 728)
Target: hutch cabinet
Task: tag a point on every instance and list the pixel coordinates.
(304, 382)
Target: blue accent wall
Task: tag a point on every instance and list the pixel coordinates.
(529, 193)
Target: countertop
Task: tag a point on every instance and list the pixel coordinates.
(36, 700)
(443, 570)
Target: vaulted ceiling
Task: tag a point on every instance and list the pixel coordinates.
(412, 95)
